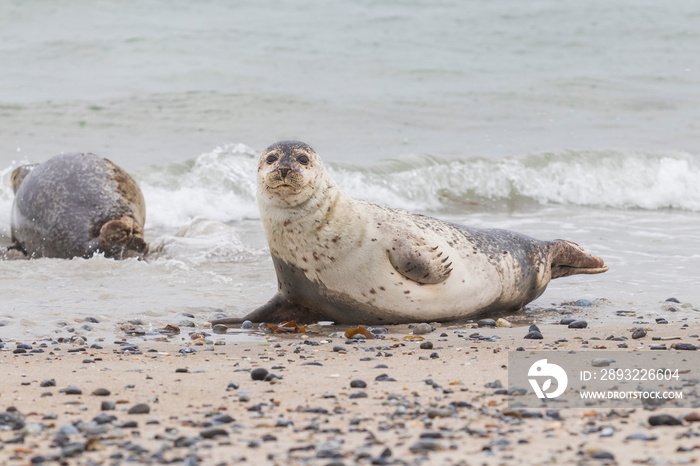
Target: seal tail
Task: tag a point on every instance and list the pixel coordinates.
(571, 259)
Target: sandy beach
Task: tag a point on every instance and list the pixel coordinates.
(191, 398)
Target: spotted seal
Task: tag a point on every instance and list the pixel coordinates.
(350, 261)
(76, 205)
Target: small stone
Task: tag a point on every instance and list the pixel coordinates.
(339, 349)
(358, 395)
(434, 356)
(567, 321)
(583, 303)
(685, 346)
(48, 383)
(578, 324)
(661, 320)
(182, 369)
(108, 405)
(219, 328)
(141, 408)
(101, 392)
(657, 347)
(534, 328)
(422, 329)
(486, 323)
(672, 300)
(601, 362)
(503, 323)
(232, 386)
(258, 373)
(247, 325)
(72, 390)
(384, 378)
(639, 332)
(664, 420)
(692, 417)
(533, 336)
(603, 455)
(103, 418)
(426, 345)
(213, 432)
(357, 383)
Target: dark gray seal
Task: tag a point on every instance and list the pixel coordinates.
(77, 205)
(352, 261)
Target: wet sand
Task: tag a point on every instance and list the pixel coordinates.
(419, 406)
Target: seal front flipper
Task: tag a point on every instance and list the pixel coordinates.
(419, 262)
(571, 259)
(278, 309)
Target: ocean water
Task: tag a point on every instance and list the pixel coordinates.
(555, 119)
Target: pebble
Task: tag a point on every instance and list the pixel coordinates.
(141, 408)
(661, 320)
(534, 336)
(48, 383)
(664, 420)
(422, 329)
(578, 324)
(426, 345)
(657, 347)
(603, 455)
(108, 405)
(232, 386)
(339, 349)
(583, 303)
(486, 323)
(601, 362)
(534, 328)
(247, 325)
(357, 383)
(384, 378)
(258, 373)
(567, 321)
(639, 332)
(213, 432)
(685, 346)
(101, 392)
(72, 390)
(692, 417)
(503, 323)
(219, 328)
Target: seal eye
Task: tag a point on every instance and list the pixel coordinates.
(302, 159)
(271, 159)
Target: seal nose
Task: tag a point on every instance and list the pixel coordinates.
(284, 172)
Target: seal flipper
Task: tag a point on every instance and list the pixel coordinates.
(570, 259)
(278, 309)
(419, 262)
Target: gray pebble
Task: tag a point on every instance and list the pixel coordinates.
(685, 346)
(583, 303)
(141, 408)
(213, 432)
(661, 320)
(639, 332)
(567, 321)
(534, 328)
(185, 323)
(664, 420)
(422, 329)
(101, 392)
(603, 455)
(657, 347)
(219, 328)
(534, 336)
(357, 383)
(486, 323)
(108, 405)
(247, 325)
(578, 324)
(258, 373)
(426, 345)
(72, 390)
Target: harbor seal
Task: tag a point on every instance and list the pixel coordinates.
(350, 261)
(76, 205)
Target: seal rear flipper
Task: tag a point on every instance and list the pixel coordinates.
(278, 309)
(571, 259)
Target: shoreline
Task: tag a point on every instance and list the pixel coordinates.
(419, 406)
